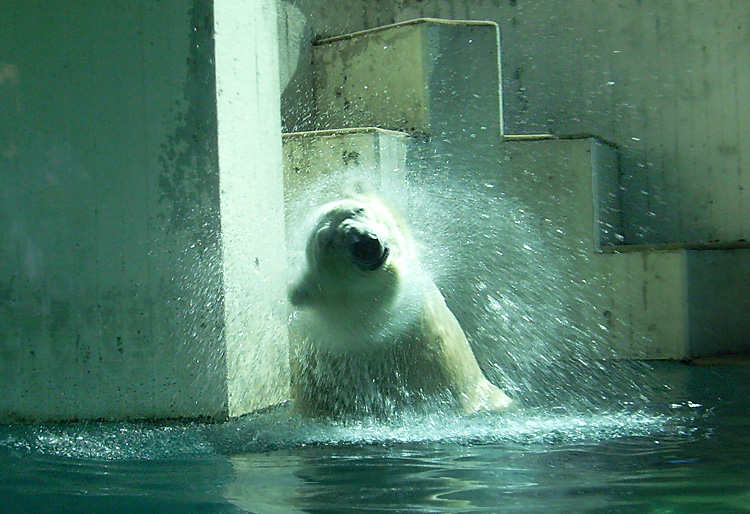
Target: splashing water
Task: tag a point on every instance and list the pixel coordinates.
(280, 428)
(509, 289)
(508, 283)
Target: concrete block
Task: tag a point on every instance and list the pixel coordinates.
(718, 285)
(631, 303)
(573, 180)
(309, 156)
(643, 303)
(436, 77)
(680, 303)
(648, 302)
(565, 186)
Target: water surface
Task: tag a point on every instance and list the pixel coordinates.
(685, 450)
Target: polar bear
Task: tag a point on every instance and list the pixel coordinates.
(373, 335)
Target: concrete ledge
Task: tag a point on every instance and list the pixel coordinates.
(668, 247)
(575, 178)
(547, 137)
(431, 76)
(721, 360)
(341, 132)
(408, 23)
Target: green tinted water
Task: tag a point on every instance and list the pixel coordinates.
(684, 451)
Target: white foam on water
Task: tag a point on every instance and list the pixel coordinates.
(283, 430)
(107, 441)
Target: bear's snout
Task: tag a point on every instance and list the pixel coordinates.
(369, 252)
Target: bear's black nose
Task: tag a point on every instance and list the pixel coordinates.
(368, 251)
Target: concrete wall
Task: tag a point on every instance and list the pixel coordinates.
(646, 304)
(122, 293)
(663, 80)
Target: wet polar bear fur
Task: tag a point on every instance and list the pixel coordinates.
(374, 336)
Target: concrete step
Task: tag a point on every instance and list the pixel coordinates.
(431, 76)
(678, 304)
(575, 177)
(653, 302)
(309, 156)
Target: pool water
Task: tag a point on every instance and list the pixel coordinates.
(684, 450)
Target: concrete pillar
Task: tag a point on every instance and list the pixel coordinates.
(141, 242)
(252, 208)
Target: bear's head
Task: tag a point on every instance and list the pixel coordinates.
(355, 252)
